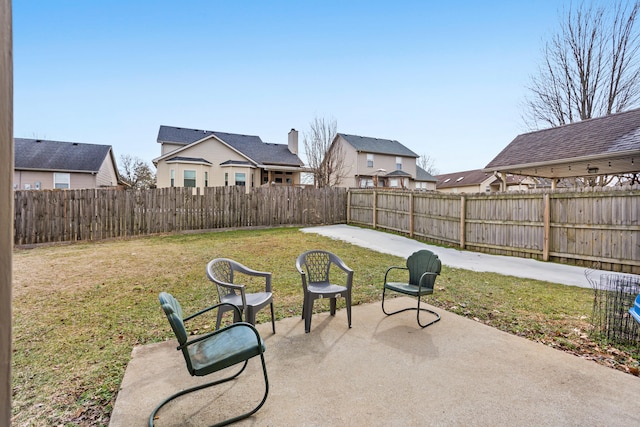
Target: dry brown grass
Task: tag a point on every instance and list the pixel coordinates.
(79, 309)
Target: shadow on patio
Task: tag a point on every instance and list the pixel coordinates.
(386, 371)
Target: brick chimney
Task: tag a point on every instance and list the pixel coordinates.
(293, 141)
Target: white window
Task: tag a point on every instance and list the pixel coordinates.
(206, 179)
(369, 160)
(241, 180)
(189, 178)
(61, 180)
(173, 178)
(399, 163)
(393, 182)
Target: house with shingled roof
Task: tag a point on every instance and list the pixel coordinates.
(376, 162)
(45, 165)
(202, 158)
(608, 145)
(479, 181)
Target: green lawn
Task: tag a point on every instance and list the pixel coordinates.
(79, 309)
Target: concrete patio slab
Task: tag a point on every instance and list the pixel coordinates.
(386, 371)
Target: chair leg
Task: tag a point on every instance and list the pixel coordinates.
(273, 321)
(348, 302)
(418, 310)
(428, 311)
(308, 312)
(304, 304)
(210, 384)
(219, 319)
(332, 305)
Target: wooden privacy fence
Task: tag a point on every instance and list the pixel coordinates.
(94, 214)
(594, 228)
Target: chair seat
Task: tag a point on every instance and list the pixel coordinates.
(408, 289)
(254, 299)
(325, 289)
(235, 345)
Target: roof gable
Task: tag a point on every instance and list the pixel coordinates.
(38, 154)
(377, 145)
(250, 146)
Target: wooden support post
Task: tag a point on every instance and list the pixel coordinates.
(547, 227)
(463, 221)
(348, 206)
(6, 212)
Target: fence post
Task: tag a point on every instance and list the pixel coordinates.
(547, 227)
(375, 209)
(463, 221)
(348, 206)
(410, 214)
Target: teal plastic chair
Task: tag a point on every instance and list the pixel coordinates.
(212, 352)
(423, 267)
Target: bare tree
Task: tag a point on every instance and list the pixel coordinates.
(136, 172)
(428, 163)
(325, 160)
(590, 67)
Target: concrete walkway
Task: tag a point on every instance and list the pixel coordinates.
(386, 371)
(510, 266)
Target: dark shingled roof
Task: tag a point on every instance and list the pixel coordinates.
(610, 134)
(423, 175)
(377, 145)
(188, 159)
(250, 145)
(37, 154)
(463, 178)
(398, 173)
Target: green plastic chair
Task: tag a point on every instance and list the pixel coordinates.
(423, 267)
(314, 268)
(212, 352)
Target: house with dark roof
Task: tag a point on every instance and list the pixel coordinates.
(376, 162)
(203, 158)
(42, 164)
(608, 145)
(479, 181)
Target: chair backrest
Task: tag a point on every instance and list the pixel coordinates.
(220, 272)
(421, 262)
(316, 265)
(173, 311)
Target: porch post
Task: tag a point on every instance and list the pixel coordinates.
(6, 206)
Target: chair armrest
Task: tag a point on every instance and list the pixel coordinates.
(337, 261)
(424, 276)
(211, 308)
(250, 272)
(393, 268)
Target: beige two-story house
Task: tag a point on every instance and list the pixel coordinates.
(41, 164)
(203, 158)
(375, 162)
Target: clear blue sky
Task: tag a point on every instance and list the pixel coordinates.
(445, 78)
